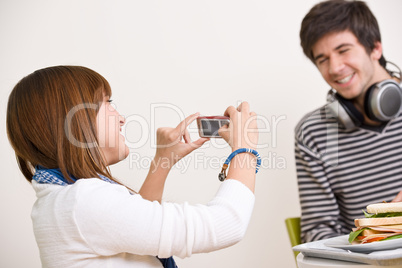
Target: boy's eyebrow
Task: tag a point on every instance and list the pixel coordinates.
(337, 48)
(343, 45)
(318, 57)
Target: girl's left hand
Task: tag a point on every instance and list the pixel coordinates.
(170, 147)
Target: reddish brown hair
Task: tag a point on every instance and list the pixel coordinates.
(37, 121)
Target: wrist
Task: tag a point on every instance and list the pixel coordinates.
(168, 158)
(161, 163)
(245, 159)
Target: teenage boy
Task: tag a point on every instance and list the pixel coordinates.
(344, 165)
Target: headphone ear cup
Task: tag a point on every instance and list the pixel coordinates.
(383, 101)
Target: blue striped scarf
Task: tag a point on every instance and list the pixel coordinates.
(54, 176)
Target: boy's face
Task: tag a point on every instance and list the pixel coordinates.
(345, 64)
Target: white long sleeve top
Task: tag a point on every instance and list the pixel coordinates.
(92, 223)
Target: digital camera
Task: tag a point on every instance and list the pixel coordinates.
(208, 126)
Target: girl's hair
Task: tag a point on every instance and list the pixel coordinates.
(51, 121)
(336, 16)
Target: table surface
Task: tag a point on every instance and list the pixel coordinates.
(311, 262)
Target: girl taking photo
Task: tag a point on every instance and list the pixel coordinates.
(65, 134)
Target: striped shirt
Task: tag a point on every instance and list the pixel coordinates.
(341, 171)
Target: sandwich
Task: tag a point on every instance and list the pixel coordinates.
(382, 222)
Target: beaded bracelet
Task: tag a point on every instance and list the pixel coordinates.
(222, 175)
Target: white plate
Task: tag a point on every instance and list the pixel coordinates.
(343, 243)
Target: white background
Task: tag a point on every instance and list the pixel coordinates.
(166, 60)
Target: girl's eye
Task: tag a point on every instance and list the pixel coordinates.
(109, 100)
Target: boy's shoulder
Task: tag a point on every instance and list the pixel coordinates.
(315, 119)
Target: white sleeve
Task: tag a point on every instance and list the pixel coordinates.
(113, 221)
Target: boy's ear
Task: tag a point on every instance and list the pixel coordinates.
(376, 53)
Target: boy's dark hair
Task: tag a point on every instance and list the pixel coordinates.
(336, 16)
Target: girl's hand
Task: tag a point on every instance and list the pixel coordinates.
(242, 132)
(170, 147)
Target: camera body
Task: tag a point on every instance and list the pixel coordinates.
(208, 126)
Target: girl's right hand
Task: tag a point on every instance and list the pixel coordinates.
(175, 143)
(242, 132)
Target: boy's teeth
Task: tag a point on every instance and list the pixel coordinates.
(345, 80)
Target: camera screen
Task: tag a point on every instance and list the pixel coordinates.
(210, 127)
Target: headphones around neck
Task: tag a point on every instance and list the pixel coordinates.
(382, 102)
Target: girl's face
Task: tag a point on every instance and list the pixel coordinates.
(111, 141)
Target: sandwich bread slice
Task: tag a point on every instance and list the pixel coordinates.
(383, 221)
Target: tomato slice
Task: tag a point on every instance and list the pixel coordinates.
(374, 239)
